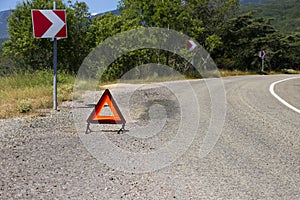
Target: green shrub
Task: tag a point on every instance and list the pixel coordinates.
(24, 106)
(289, 71)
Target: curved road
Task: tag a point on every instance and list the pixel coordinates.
(256, 157)
(287, 88)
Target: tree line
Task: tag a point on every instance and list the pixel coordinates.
(232, 38)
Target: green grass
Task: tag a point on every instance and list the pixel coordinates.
(290, 71)
(24, 93)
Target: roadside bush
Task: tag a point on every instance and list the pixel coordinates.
(24, 106)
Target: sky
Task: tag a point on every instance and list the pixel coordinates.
(96, 6)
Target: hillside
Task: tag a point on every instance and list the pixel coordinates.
(285, 14)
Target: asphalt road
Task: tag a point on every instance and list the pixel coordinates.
(287, 89)
(255, 156)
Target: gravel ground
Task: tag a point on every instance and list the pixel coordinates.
(256, 157)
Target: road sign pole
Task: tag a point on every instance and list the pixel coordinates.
(262, 55)
(50, 24)
(193, 60)
(54, 68)
(55, 74)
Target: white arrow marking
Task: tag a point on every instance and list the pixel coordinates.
(57, 23)
(194, 45)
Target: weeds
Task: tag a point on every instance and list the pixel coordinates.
(24, 105)
(25, 92)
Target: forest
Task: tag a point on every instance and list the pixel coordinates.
(231, 32)
(285, 14)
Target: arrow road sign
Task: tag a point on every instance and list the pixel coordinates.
(191, 45)
(262, 54)
(49, 23)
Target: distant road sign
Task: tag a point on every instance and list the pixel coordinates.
(191, 45)
(262, 54)
(49, 23)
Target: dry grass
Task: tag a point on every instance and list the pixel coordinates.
(24, 93)
(225, 73)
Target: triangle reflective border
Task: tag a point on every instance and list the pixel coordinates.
(116, 118)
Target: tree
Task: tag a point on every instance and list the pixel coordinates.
(213, 14)
(172, 14)
(285, 55)
(200, 19)
(77, 46)
(21, 46)
(244, 36)
(285, 14)
(183, 16)
(31, 53)
(105, 26)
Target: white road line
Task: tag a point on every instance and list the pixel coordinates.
(271, 89)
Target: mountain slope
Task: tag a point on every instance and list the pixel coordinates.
(285, 13)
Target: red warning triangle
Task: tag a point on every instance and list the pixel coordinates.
(106, 99)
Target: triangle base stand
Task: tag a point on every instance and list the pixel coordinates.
(89, 130)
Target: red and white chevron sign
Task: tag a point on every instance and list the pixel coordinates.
(49, 23)
(191, 45)
(262, 54)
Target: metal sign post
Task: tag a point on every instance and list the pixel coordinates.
(50, 24)
(262, 55)
(262, 64)
(54, 68)
(55, 74)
